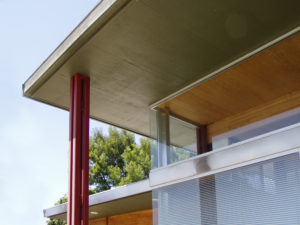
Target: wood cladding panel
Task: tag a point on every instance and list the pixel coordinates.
(260, 80)
(101, 221)
(255, 114)
(134, 218)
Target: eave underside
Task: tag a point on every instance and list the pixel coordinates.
(138, 52)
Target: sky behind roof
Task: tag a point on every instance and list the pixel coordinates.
(33, 136)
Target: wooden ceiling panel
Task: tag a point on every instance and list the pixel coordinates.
(264, 77)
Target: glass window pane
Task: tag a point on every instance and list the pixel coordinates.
(258, 128)
(173, 139)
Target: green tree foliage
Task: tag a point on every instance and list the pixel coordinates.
(137, 163)
(56, 222)
(62, 200)
(117, 160)
(179, 154)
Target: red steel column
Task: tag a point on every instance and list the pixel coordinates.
(201, 134)
(78, 199)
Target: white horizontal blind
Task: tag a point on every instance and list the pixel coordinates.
(260, 194)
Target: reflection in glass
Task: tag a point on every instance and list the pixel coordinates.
(258, 128)
(173, 139)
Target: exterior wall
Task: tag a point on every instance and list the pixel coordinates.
(261, 187)
(134, 218)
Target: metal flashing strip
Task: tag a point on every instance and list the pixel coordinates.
(120, 192)
(224, 68)
(105, 196)
(253, 150)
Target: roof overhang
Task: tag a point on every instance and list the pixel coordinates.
(129, 198)
(140, 54)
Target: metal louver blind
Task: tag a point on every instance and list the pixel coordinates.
(260, 194)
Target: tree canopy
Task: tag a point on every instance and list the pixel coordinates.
(116, 159)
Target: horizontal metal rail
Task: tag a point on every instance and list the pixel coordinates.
(266, 146)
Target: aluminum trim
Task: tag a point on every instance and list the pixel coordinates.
(56, 210)
(250, 151)
(120, 192)
(105, 196)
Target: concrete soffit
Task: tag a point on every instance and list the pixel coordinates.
(140, 54)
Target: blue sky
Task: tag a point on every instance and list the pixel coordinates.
(33, 136)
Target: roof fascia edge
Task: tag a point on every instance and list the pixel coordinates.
(97, 18)
(125, 191)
